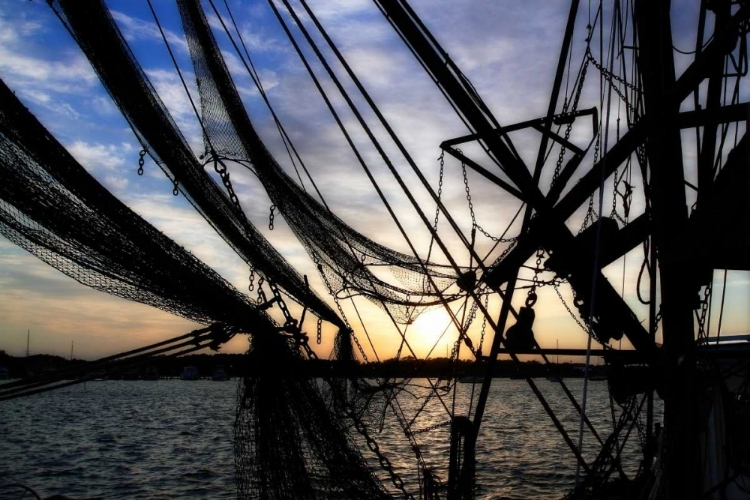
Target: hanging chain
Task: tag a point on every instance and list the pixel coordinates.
(484, 324)
(176, 189)
(319, 335)
(702, 333)
(261, 294)
(589, 215)
(474, 225)
(531, 297)
(251, 285)
(609, 76)
(441, 159)
(616, 181)
(141, 161)
(271, 217)
(570, 311)
(657, 319)
(316, 260)
(468, 191)
(221, 169)
(590, 212)
(433, 427)
(569, 128)
(385, 463)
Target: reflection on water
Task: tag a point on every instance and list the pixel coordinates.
(121, 439)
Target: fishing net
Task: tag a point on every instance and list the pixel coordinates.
(289, 441)
(96, 33)
(342, 254)
(293, 436)
(53, 208)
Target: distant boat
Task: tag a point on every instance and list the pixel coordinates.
(220, 374)
(554, 378)
(189, 373)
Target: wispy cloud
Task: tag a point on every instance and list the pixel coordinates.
(96, 156)
(135, 29)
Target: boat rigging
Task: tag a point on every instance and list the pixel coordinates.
(297, 438)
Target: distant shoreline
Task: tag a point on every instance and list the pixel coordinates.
(237, 365)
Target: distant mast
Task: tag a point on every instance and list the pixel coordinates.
(28, 339)
(71, 350)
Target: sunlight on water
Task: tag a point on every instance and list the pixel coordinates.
(121, 439)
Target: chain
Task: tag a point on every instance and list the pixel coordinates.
(319, 335)
(433, 427)
(590, 212)
(468, 192)
(494, 238)
(531, 297)
(484, 324)
(576, 98)
(176, 190)
(657, 320)
(261, 293)
(441, 159)
(609, 76)
(336, 300)
(474, 224)
(507, 250)
(463, 336)
(567, 307)
(702, 333)
(359, 348)
(221, 169)
(251, 285)
(270, 217)
(141, 161)
(288, 318)
(385, 463)
(616, 183)
(308, 350)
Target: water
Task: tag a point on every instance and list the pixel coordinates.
(172, 438)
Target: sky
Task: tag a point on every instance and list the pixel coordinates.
(508, 50)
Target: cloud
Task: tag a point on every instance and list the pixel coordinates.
(97, 156)
(135, 29)
(172, 93)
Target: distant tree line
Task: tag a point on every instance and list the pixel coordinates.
(238, 365)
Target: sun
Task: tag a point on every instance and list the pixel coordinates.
(426, 333)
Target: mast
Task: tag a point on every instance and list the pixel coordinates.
(28, 341)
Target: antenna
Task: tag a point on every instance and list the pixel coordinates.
(28, 339)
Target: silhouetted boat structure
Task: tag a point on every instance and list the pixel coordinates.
(220, 375)
(668, 152)
(189, 373)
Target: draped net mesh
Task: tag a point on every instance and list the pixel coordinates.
(53, 208)
(342, 253)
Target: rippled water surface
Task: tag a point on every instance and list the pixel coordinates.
(173, 439)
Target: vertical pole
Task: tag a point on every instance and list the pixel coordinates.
(669, 217)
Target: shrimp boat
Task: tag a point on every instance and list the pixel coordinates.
(640, 154)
